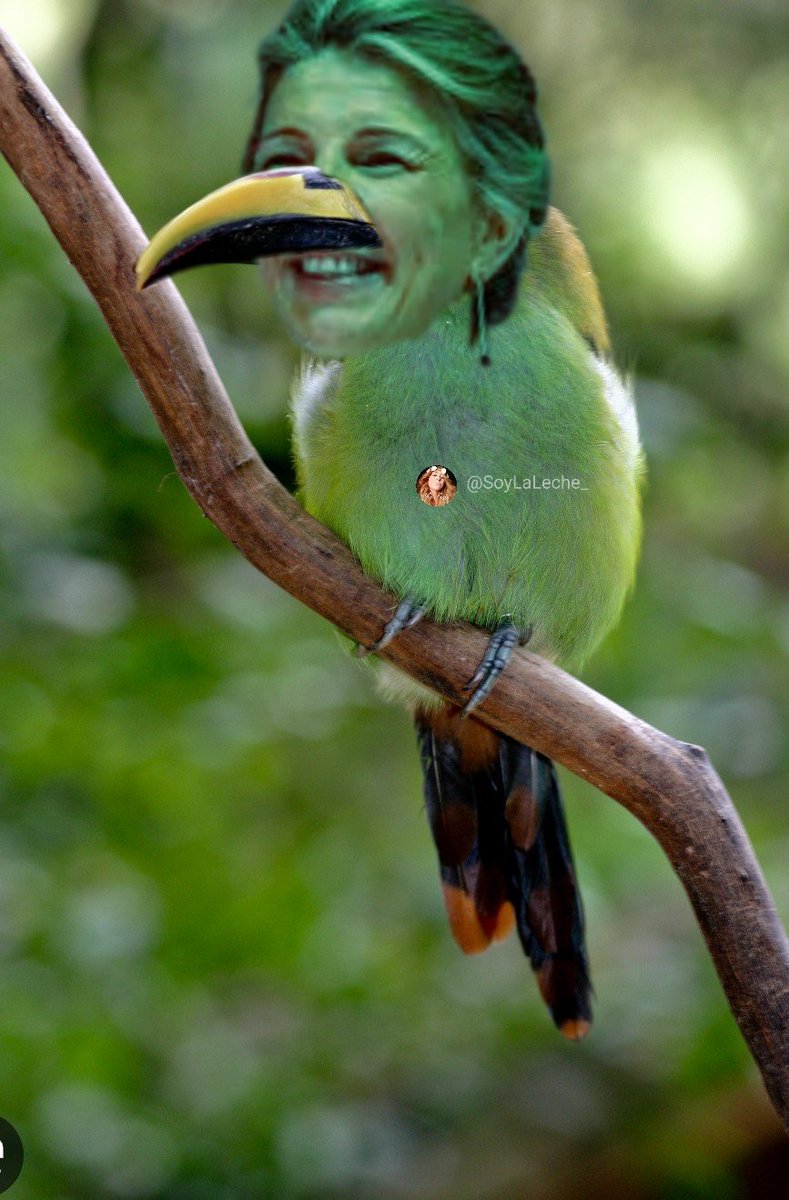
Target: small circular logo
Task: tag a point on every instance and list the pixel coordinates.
(12, 1155)
(436, 485)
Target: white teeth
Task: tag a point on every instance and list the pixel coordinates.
(331, 265)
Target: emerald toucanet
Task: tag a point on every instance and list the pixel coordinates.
(539, 543)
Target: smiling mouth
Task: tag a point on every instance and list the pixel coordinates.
(337, 267)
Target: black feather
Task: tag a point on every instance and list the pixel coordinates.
(501, 835)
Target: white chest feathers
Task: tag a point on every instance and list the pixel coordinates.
(313, 388)
(618, 396)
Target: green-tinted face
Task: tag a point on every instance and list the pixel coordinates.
(392, 145)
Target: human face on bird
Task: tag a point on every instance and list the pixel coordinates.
(391, 142)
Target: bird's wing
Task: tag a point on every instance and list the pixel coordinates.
(559, 269)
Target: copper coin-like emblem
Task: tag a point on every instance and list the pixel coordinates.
(436, 485)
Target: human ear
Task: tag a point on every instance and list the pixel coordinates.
(496, 237)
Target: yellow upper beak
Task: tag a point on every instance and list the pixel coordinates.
(288, 211)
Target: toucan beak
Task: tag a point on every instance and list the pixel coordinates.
(289, 211)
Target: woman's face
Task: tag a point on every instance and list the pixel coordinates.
(435, 481)
(392, 144)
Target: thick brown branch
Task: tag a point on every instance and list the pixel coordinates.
(668, 785)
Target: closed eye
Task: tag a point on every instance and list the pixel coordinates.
(382, 159)
(281, 160)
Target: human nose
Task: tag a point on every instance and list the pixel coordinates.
(332, 161)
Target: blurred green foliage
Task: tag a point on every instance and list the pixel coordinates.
(225, 967)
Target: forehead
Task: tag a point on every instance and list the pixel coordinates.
(337, 90)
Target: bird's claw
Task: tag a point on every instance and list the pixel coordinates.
(497, 654)
(407, 614)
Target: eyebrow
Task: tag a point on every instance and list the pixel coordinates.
(285, 131)
(385, 131)
(368, 131)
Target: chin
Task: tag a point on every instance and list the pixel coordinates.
(328, 343)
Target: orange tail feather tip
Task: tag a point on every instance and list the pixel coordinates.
(558, 981)
(575, 1029)
(504, 922)
(467, 929)
(474, 932)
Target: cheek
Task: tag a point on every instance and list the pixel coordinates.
(268, 273)
(394, 218)
(428, 221)
(445, 231)
(446, 256)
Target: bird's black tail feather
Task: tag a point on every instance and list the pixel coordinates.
(497, 820)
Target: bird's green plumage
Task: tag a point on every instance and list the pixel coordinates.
(557, 559)
(547, 540)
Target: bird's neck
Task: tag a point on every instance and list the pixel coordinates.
(439, 365)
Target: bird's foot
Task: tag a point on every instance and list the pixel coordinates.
(498, 653)
(407, 614)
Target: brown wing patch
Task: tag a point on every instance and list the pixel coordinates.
(523, 816)
(477, 742)
(559, 271)
(454, 832)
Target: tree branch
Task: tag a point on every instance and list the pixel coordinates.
(670, 786)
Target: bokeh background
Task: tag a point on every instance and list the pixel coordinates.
(225, 968)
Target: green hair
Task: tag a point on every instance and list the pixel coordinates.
(487, 91)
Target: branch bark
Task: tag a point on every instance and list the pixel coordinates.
(670, 786)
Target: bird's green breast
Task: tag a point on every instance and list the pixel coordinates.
(558, 558)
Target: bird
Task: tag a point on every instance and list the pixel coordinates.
(538, 546)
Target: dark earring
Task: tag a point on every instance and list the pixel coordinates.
(481, 322)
